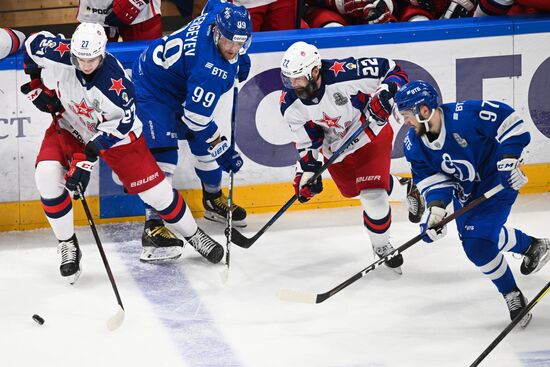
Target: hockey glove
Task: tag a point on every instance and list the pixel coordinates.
(124, 12)
(226, 156)
(79, 173)
(43, 98)
(459, 9)
(510, 174)
(309, 166)
(380, 11)
(244, 67)
(381, 104)
(431, 218)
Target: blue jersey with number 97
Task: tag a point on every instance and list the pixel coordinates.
(185, 71)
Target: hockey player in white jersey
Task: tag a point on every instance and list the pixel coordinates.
(458, 152)
(93, 103)
(179, 80)
(326, 101)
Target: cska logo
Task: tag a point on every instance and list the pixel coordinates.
(330, 121)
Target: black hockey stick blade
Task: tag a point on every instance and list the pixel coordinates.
(511, 325)
(308, 297)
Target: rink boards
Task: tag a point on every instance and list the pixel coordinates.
(494, 58)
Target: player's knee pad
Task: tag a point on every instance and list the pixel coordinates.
(50, 179)
(375, 202)
(159, 196)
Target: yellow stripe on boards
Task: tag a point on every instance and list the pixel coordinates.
(262, 198)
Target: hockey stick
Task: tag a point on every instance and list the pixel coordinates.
(240, 240)
(511, 325)
(307, 297)
(115, 321)
(228, 229)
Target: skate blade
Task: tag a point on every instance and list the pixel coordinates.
(159, 254)
(73, 278)
(397, 270)
(526, 320)
(218, 218)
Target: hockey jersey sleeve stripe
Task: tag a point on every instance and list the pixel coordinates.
(509, 129)
(194, 120)
(434, 181)
(397, 75)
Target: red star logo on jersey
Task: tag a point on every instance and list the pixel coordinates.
(282, 97)
(330, 121)
(117, 86)
(83, 109)
(62, 48)
(337, 67)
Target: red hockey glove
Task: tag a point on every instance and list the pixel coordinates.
(381, 104)
(380, 11)
(371, 11)
(124, 12)
(43, 98)
(309, 165)
(79, 173)
(424, 4)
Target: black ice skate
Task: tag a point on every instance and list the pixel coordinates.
(159, 243)
(516, 302)
(415, 201)
(70, 259)
(216, 208)
(206, 246)
(395, 262)
(536, 256)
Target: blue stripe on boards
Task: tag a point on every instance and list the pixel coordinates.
(176, 304)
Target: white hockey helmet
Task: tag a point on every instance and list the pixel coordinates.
(88, 41)
(299, 60)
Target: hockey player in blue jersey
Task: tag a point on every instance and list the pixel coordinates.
(459, 151)
(326, 101)
(179, 81)
(92, 101)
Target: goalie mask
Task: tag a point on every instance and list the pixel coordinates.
(297, 68)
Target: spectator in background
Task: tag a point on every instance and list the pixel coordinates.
(271, 15)
(10, 42)
(133, 20)
(330, 13)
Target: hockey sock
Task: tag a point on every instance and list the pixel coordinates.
(59, 212)
(513, 240)
(486, 256)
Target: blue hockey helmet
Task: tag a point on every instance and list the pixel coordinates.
(234, 23)
(415, 94)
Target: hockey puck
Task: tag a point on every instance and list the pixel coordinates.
(39, 320)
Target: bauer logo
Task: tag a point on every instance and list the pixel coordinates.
(367, 178)
(145, 180)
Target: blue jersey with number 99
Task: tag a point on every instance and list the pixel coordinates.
(186, 71)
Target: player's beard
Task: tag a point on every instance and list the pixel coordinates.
(309, 90)
(420, 129)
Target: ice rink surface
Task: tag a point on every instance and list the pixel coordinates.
(441, 312)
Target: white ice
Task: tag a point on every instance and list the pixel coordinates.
(441, 312)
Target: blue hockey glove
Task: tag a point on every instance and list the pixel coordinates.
(79, 173)
(226, 156)
(309, 166)
(244, 67)
(510, 174)
(433, 216)
(381, 104)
